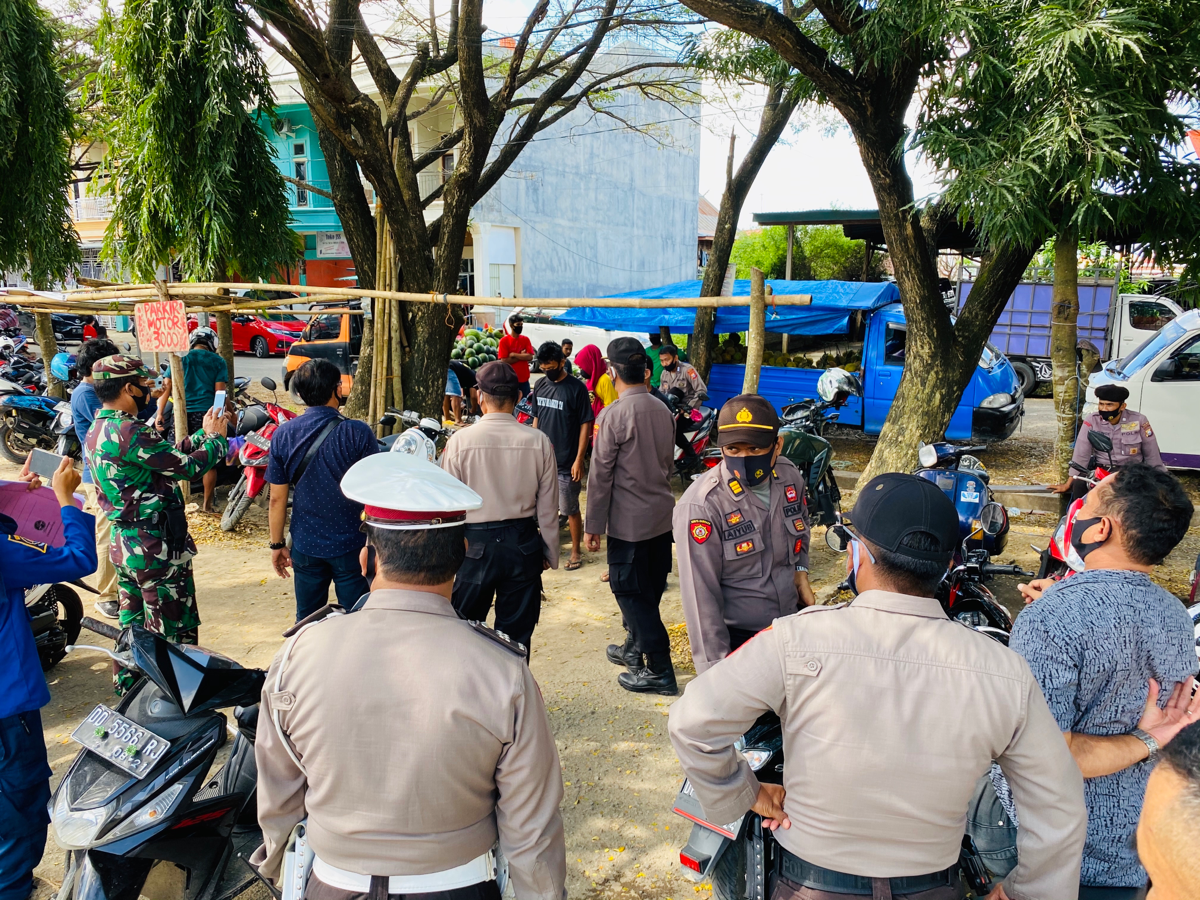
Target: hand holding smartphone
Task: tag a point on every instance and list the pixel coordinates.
(44, 464)
(219, 402)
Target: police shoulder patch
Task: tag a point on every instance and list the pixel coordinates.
(25, 542)
(790, 493)
(499, 637)
(700, 530)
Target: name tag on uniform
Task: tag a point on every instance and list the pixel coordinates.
(1130, 426)
(738, 531)
(793, 509)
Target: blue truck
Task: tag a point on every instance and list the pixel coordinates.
(991, 406)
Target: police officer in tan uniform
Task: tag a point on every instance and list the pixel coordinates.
(891, 712)
(742, 533)
(1132, 438)
(682, 381)
(412, 742)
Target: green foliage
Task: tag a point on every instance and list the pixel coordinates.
(819, 252)
(1066, 113)
(191, 172)
(35, 144)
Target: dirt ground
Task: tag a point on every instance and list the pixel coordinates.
(619, 770)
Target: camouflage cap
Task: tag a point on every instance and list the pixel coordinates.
(119, 366)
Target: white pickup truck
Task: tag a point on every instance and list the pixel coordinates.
(1163, 378)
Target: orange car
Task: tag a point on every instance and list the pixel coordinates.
(335, 335)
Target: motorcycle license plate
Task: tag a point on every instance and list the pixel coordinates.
(258, 441)
(688, 806)
(123, 743)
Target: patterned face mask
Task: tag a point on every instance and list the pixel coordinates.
(750, 470)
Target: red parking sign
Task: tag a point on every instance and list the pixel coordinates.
(161, 326)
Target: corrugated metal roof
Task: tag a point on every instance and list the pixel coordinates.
(707, 221)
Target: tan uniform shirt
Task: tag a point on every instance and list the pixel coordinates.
(891, 713)
(633, 455)
(687, 379)
(512, 467)
(413, 761)
(737, 560)
(1132, 437)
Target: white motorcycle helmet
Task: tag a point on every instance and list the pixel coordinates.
(8, 347)
(415, 443)
(205, 336)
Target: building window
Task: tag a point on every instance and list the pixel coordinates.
(466, 278)
(301, 175)
(503, 280)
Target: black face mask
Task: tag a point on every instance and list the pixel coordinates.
(671, 368)
(1111, 415)
(1082, 547)
(554, 374)
(142, 400)
(749, 470)
(517, 329)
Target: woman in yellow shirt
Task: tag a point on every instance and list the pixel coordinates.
(601, 390)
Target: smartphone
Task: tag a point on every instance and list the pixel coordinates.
(219, 402)
(43, 463)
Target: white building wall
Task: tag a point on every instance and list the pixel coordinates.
(599, 208)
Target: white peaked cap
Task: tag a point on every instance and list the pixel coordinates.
(402, 491)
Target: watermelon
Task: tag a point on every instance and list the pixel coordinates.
(473, 334)
(456, 353)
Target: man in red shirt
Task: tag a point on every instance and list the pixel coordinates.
(517, 351)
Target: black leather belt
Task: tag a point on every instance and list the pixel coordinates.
(476, 527)
(805, 874)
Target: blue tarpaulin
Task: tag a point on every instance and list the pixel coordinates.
(832, 302)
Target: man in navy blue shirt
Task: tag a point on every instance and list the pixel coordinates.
(24, 771)
(1114, 654)
(326, 538)
(84, 404)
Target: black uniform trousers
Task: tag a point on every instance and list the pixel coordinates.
(637, 574)
(504, 559)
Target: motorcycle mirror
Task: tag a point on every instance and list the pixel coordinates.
(388, 421)
(837, 538)
(927, 456)
(991, 518)
(268, 383)
(128, 347)
(1101, 442)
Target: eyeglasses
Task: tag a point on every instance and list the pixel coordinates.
(839, 537)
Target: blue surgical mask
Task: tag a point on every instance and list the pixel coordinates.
(855, 563)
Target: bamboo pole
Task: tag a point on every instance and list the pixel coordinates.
(756, 339)
(179, 404)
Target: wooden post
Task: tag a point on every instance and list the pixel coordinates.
(179, 405)
(756, 339)
(791, 233)
(44, 332)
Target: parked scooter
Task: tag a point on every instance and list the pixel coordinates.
(423, 437)
(138, 812)
(30, 421)
(256, 423)
(699, 425)
(55, 612)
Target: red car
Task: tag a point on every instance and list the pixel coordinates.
(266, 334)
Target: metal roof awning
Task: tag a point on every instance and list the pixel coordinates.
(864, 225)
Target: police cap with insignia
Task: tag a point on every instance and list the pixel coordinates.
(498, 379)
(405, 492)
(119, 366)
(747, 418)
(894, 505)
(1114, 393)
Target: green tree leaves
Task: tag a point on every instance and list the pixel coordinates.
(189, 167)
(36, 234)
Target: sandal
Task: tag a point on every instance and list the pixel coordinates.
(574, 564)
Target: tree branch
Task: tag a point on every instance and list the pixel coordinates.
(308, 187)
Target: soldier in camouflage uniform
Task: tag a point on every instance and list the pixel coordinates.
(136, 473)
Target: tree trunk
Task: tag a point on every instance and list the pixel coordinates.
(44, 332)
(775, 115)
(1063, 318)
(225, 342)
(756, 339)
(940, 356)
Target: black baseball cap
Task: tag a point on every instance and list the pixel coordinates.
(624, 351)
(749, 419)
(894, 505)
(498, 379)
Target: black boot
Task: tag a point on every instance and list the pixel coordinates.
(656, 677)
(625, 654)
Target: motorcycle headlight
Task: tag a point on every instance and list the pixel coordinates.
(756, 757)
(76, 829)
(997, 401)
(148, 815)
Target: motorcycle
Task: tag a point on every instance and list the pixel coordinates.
(740, 858)
(137, 811)
(699, 424)
(31, 421)
(1060, 559)
(55, 612)
(256, 424)
(424, 437)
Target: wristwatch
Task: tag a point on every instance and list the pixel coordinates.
(1147, 739)
(280, 545)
